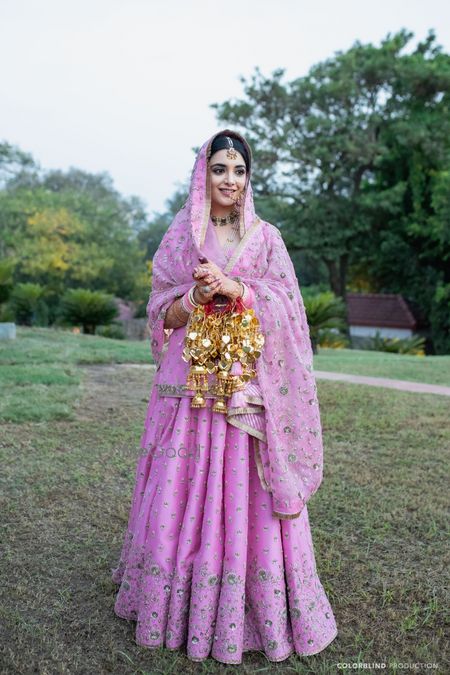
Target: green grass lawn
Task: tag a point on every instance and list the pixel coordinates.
(46, 345)
(428, 369)
(39, 371)
(379, 520)
(39, 378)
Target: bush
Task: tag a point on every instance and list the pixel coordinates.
(324, 311)
(6, 314)
(413, 345)
(332, 338)
(80, 306)
(27, 305)
(113, 330)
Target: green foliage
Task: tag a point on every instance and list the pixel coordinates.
(440, 319)
(6, 278)
(87, 308)
(72, 229)
(27, 304)
(12, 161)
(144, 282)
(332, 339)
(354, 159)
(6, 314)
(141, 310)
(114, 330)
(151, 235)
(413, 345)
(324, 312)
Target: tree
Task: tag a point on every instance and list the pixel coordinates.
(88, 308)
(6, 279)
(13, 160)
(73, 228)
(350, 149)
(150, 237)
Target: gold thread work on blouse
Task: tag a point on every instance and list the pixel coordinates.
(215, 339)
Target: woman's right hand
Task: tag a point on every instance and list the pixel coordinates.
(204, 297)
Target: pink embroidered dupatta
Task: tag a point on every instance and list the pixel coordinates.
(292, 459)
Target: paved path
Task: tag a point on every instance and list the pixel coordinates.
(404, 385)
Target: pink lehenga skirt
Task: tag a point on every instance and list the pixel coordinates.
(204, 563)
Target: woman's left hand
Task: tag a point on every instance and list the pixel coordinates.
(209, 271)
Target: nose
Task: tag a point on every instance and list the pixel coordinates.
(229, 180)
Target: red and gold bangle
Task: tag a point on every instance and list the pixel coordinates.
(188, 301)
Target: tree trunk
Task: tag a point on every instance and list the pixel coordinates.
(337, 271)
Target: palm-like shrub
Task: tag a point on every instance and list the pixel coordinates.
(333, 339)
(412, 345)
(27, 304)
(325, 312)
(80, 306)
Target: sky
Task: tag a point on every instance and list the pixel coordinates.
(124, 86)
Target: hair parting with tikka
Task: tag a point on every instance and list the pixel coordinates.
(231, 145)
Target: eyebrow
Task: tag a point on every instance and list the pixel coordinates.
(238, 166)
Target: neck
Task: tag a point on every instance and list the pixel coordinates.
(221, 211)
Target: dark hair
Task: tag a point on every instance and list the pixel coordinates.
(223, 142)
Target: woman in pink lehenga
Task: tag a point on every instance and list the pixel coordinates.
(218, 554)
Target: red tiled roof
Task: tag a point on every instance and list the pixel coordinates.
(379, 309)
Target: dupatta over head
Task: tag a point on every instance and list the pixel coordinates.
(292, 458)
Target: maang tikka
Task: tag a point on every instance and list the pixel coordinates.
(231, 152)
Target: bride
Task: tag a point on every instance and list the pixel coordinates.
(218, 556)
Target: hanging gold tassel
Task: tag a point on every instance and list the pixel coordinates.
(214, 341)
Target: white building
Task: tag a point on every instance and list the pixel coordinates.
(387, 313)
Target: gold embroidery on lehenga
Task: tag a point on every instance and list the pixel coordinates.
(172, 390)
(246, 427)
(265, 486)
(165, 389)
(243, 411)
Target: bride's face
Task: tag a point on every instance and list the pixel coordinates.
(227, 179)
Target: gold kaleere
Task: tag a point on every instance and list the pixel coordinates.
(214, 341)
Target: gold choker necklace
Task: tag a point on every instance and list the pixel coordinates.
(226, 220)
